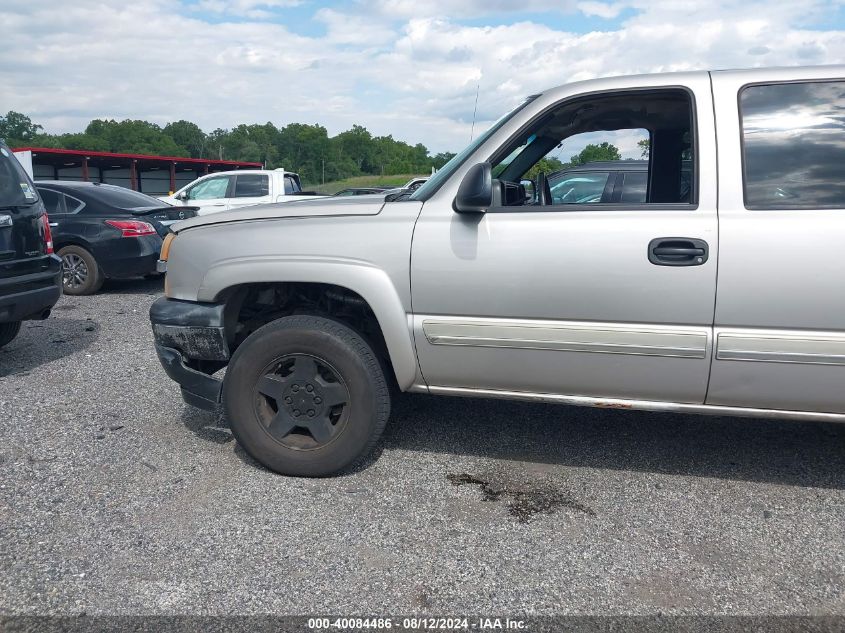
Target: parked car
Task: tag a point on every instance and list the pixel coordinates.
(605, 181)
(414, 183)
(30, 273)
(226, 190)
(360, 191)
(320, 310)
(104, 231)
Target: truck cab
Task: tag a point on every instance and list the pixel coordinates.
(715, 289)
(226, 190)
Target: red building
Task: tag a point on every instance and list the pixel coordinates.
(154, 175)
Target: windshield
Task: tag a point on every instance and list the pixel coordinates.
(16, 188)
(433, 184)
(122, 198)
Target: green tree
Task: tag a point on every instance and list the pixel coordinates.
(441, 159)
(188, 136)
(18, 129)
(546, 165)
(134, 137)
(645, 147)
(592, 153)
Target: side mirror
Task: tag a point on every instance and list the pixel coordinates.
(475, 193)
(183, 195)
(528, 185)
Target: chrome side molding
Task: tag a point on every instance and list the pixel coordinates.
(569, 336)
(812, 348)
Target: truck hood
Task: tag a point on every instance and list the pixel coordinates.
(357, 205)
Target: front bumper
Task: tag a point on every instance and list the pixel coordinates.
(191, 343)
(29, 296)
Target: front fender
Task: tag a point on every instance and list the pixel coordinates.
(369, 281)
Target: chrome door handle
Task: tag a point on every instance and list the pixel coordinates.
(54, 224)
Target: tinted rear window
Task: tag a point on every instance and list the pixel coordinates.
(252, 186)
(16, 188)
(794, 145)
(634, 186)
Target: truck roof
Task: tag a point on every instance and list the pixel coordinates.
(784, 73)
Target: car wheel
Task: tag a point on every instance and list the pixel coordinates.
(306, 396)
(8, 331)
(81, 275)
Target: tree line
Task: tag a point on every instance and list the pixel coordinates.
(303, 148)
(299, 147)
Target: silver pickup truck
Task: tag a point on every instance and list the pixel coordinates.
(720, 293)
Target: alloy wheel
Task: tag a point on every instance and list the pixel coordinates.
(74, 271)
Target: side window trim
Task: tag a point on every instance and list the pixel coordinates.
(500, 152)
(611, 187)
(59, 199)
(79, 204)
(657, 207)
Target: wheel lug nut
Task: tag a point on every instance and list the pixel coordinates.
(309, 388)
(310, 413)
(295, 388)
(318, 400)
(288, 399)
(297, 413)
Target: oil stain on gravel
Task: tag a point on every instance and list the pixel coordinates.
(522, 503)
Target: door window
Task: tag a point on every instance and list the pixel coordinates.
(608, 133)
(209, 189)
(579, 187)
(252, 186)
(291, 186)
(53, 201)
(73, 205)
(634, 185)
(793, 145)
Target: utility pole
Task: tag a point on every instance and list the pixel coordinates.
(324, 170)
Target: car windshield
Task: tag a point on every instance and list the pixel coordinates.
(16, 188)
(122, 198)
(433, 184)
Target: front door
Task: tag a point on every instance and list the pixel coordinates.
(210, 194)
(550, 296)
(780, 309)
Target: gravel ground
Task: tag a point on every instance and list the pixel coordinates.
(117, 498)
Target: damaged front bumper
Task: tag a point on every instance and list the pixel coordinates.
(190, 340)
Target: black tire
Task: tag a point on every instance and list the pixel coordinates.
(267, 395)
(81, 275)
(8, 331)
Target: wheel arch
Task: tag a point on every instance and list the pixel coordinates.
(369, 282)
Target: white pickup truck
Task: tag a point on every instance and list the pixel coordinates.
(225, 190)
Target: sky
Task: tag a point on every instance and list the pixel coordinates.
(401, 67)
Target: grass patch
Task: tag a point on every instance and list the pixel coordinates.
(362, 181)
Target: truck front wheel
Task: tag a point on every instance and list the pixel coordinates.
(306, 396)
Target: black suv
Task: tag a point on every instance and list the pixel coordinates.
(30, 274)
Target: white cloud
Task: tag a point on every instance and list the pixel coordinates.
(607, 10)
(413, 73)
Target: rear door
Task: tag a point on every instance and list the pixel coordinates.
(22, 228)
(250, 189)
(68, 222)
(780, 308)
